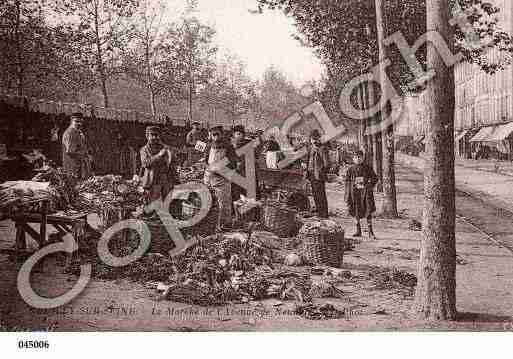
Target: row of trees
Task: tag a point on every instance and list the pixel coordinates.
(348, 36)
(79, 47)
(129, 54)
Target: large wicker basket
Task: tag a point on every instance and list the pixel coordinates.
(279, 219)
(207, 225)
(160, 240)
(111, 215)
(322, 244)
(245, 213)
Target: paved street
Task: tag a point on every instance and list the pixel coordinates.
(493, 188)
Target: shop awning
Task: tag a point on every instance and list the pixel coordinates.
(501, 132)
(493, 133)
(419, 139)
(483, 134)
(460, 136)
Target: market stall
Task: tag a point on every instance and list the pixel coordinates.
(29, 203)
(493, 141)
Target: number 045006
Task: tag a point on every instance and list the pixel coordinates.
(33, 344)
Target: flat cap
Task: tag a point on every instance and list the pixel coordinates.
(315, 134)
(153, 129)
(238, 128)
(77, 116)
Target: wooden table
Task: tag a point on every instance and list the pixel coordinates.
(63, 223)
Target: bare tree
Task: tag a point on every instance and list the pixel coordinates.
(106, 28)
(149, 34)
(193, 51)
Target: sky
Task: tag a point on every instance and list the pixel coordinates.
(260, 40)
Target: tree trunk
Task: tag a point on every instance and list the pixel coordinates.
(363, 141)
(152, 101)
(149, 79)
(191, 88)
(375, 142)
(389, 208)
(368, 95)
(436, 288)
(99, 57)
(378, 161)
(19, 56)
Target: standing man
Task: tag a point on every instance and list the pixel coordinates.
(218, 150)
(238, 141)
(317, 166)
(192, 138)
(157, 161)
(273, 153)
(75, 158)
(194, 135)
(54, 150)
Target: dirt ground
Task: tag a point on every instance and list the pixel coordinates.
(484, 288)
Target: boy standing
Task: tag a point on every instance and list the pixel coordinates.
(359, 196)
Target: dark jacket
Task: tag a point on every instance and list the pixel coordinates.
(359, 184)
(317, 164)
(212, 177)
(231, 155)
(157, 170)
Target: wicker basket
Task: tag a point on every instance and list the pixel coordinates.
(323, 246)
(280, 220)
(160, 241)
(245, 213)
(207, 226)
(111, 215)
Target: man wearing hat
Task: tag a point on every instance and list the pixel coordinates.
(194, 135)
(216, 152)
(238, 141)
(316, 171)
(75, 159)
(191, 139)
(157, 162)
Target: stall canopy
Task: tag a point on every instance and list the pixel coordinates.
(460, 136)
(493, 133)
(483, 134)
(419, 139)
(501, 132)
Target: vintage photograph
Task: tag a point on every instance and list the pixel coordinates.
(256, 166)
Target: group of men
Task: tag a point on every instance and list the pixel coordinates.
(159, 169)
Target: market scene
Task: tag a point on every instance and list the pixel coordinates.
(170, 186)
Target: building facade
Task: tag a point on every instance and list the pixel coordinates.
(483, 103)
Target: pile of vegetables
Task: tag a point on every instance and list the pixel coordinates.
(100, 192)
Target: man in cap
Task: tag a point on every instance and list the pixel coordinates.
(191, 139)
(157, 162)
(238, 141)
(194, 135)
(75, 159)
(216, 152)
(317, 166)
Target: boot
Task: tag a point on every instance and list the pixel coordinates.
(358, 232)
(371, 231)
